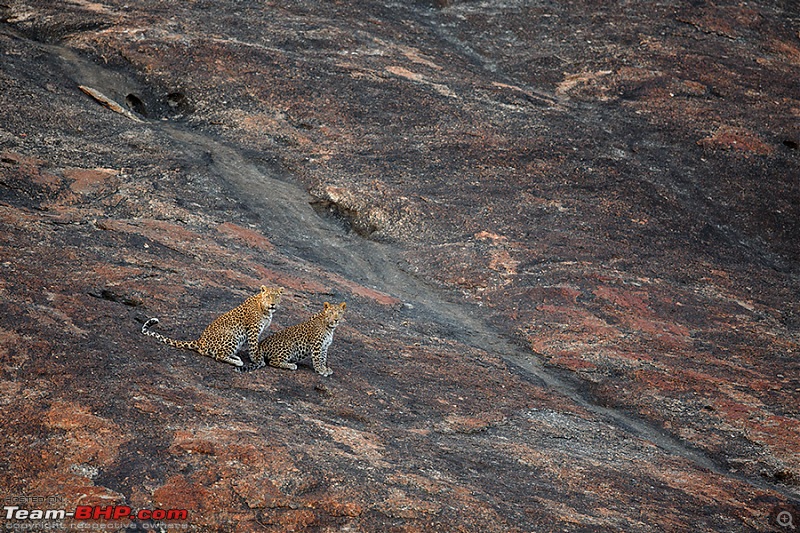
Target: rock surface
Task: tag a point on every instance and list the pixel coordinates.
(567, 234)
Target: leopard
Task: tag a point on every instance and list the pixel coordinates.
(291, 345)
(223, 338)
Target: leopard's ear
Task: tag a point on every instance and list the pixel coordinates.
(263, 288)
(343, 306)
(326, 305)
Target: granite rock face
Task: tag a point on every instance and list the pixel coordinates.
(567, 234)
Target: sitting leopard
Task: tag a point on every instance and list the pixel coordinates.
(311, 338)
(225, 335)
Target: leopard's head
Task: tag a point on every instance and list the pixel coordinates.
(334, 313)
(269, 298)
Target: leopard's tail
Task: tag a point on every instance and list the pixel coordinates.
(185, 345)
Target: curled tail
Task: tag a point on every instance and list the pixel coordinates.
(185, 345)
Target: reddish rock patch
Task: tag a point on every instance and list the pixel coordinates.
(738, 139)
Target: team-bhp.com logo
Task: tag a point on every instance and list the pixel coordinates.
(123, 512)
(83, 513)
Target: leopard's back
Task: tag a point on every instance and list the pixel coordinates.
(234, 326)
(296, 342)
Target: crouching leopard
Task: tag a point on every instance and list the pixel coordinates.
(228, 333)
(312, 338)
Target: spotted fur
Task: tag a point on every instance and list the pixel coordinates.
(228, 333)
(310, 339)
